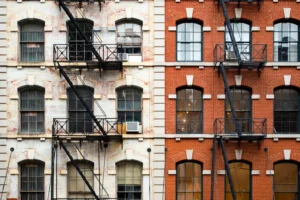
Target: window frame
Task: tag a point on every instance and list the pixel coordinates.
(201, 111)
(250, 177)
(298, 115)
(136, 89)
(289, 162)
(31, 162)
(242, 21)
(124, 162)
(35, 22)
(33, 88)
(196, 21)
(89, 164)
(290, 21)
(201, 176)
(132, 46)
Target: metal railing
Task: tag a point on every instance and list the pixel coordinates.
(101, 198)
(80, 51)
(248, 52)
(87, 126)
(248, 126)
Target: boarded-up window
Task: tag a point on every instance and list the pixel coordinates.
(241, 176)
(286, 181)
(129, 175)
(79, 119)
(76, 186)
(32, 110)
(32, 41)
(32, 181)
(189, 181)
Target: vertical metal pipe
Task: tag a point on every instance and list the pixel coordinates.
(52, 163)
(149, 151)
(213, 168)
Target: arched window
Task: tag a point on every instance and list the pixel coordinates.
(78, 49)
(129, 35)
(129, 180)
(286, 110)
(32, 109)
(129, 104)
(286, 176)
(286, 41)
(188, 181)
(76, 186)
(241, 176)
(32, 41)
(189, 41)
(242, 35)
(79, 119)
(32, 180)
(189, 110)
(242, 104)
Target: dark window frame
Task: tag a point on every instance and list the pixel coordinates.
(187, 21)
(298, 178)
(132, 189)
(240, 44)
(37, 90)
(40, 168)
(32, 42)
(133, 111)
(290, 22)
(295, 89)
(250, 177)
(200, 110)
(201, 177)
(85, 124)
(126, 47)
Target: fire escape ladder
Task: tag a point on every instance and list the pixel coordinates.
(227, 169)
(213, 168)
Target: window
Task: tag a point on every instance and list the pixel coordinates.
(241, 176)
(78, 49)
(129, 175)
(286, 176)
(79, 119)
(129, 35)
(286, 110)
(32, 181)
(242, 35)
(189, 181)
(130, 104)
(189, 110)
(189, 41)
(32, 41)
(242, 103)
(76, 186)
(286, 42)
(32, 110)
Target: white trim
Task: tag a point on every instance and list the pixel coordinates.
(172, 172)
(270, 172)
(172, 96)
(255, 172)
(221, 172)
(206, 172)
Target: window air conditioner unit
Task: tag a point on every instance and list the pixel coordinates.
(123, 56)
(133, 127)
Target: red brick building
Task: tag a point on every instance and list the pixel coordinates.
(265, 98)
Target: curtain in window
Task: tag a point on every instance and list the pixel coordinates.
(32, 181)
(189, 181)
(79, 119)
(76, 186)
(129, 178)
(32, 110)
(242, 103)
(32, 42)
(286, 42)
(189, 111)
(241, 176)
(286, 110)
(130, 104)
(189, 41)
(286, 181)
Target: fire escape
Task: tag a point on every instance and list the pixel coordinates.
(83, 54)
(232, 56)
